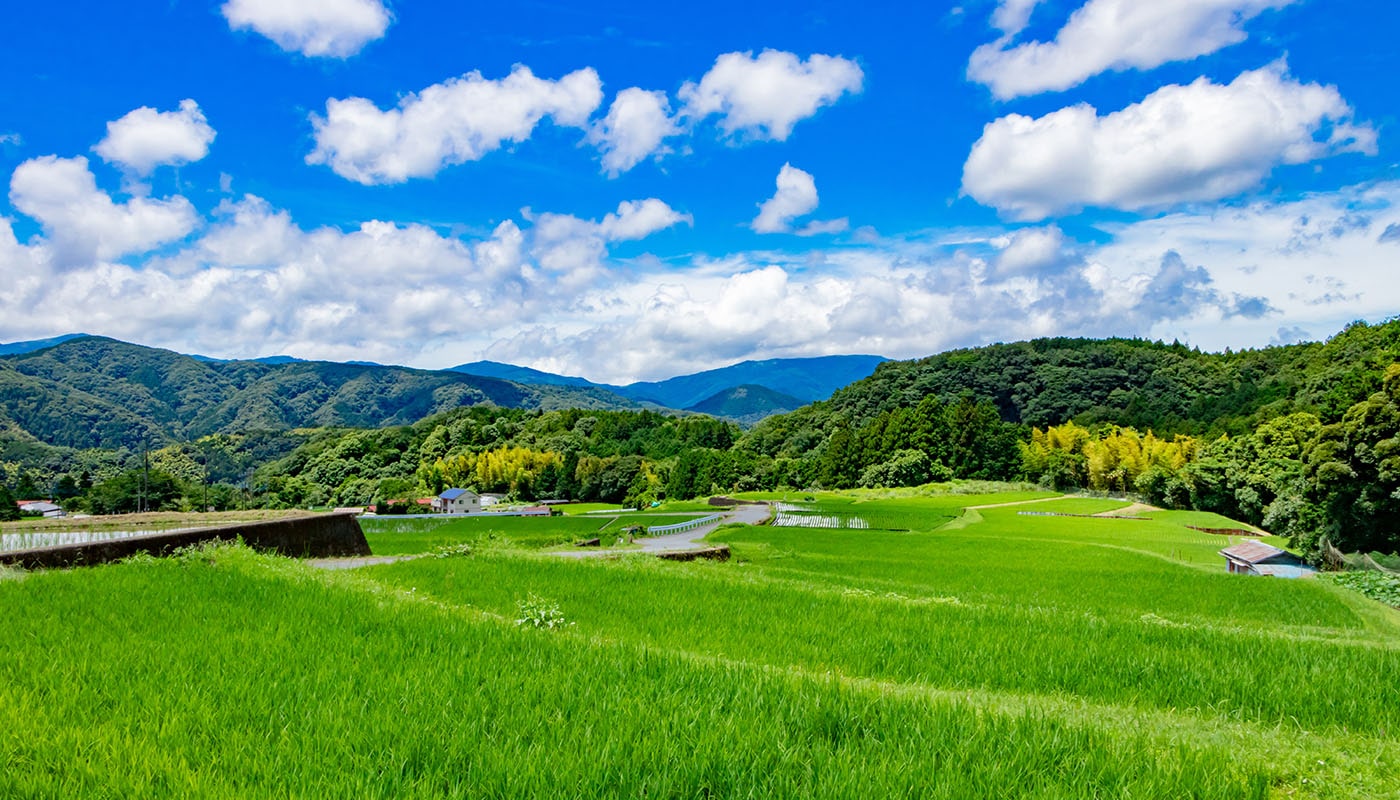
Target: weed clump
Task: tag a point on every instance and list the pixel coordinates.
(537, 612)
(453, 550)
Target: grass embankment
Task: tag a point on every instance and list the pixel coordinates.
(1008, 657)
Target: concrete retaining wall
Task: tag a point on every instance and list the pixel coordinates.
(317, 536)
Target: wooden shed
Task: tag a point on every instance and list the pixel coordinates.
(1257, 558)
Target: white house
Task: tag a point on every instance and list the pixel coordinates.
(457, 501)
(488, 500)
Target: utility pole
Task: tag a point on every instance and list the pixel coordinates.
(145, 474)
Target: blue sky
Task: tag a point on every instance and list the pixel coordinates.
(631, 190)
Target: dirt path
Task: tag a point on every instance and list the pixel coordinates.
(1017, 503)
(1129, 511)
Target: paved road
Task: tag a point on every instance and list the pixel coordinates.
(686, 540)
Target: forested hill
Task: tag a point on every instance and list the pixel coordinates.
(1167, 388)
(98, 392)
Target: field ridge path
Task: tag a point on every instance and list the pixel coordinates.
(1016, 503)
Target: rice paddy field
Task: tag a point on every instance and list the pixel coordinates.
(409, 535)
(951, 647)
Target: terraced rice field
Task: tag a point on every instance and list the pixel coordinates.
(942, 652)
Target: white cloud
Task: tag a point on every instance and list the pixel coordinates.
(82, 223)
(1198, 142)
(458, 120)
(638, 219)
(762, 97)
(1108, 35)
(636, 126)
(1314, 262)
(572, 251)
(546, 290)
(1030, 250)
(1011, 16)
(331, 28)
(146, 138)
(796, 197)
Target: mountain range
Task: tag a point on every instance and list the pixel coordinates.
(89, 391)
(791, 382)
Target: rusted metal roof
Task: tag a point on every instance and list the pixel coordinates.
(1252, 552)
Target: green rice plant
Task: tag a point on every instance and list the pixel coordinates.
(407, 536)
(1010, 657)
(247, 675)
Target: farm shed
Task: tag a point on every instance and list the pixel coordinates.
(41, 507)
(457, 501)
(1257, 558)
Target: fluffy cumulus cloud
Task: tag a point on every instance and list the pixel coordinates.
(146, 138)
(459, 120)
(764, 96)
(1198, 142)
(1030, 250)
(1107, 35)
(82, 223)
(329, 28)
(638, 219)
(796, 197)
(1011, 16)
(635, 128)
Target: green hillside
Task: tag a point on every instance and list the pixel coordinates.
(746, 404)
(1168, 388)
(97, 392)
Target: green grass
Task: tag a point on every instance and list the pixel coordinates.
(999, 656)
(572, 509)
(407, 535)
(395, 536)
(255, 677)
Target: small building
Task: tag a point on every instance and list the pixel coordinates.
(488, 500)
(42, 507)
(1257, 558)
(457, 501)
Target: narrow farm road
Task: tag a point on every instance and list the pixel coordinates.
(1017, 503)
(685, 540)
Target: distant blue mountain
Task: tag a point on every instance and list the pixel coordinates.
(806, 379)
(510, 372)
(19, 348)
(273, 360)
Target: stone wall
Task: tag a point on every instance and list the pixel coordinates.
(312, 536)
